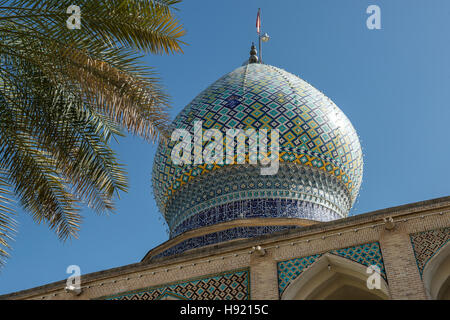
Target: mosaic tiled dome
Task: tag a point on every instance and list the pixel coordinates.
(321, 162)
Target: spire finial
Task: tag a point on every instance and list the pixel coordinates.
(253, 54)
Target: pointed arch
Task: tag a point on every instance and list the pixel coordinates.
(436, 274)
(167, 295)
(334, 277)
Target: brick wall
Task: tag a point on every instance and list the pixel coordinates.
(401, 269)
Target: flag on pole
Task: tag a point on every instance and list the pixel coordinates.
(258, 21)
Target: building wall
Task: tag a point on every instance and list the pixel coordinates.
(235, 271)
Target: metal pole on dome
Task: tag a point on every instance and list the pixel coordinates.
(258, 31)
(265, 37)
(260, 52)
(261, 38)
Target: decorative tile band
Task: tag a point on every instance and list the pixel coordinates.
(427, 244)
(304, 159)
(215, 190)
(234, 285)
(221, 236)
(257, 208)
(366, 254)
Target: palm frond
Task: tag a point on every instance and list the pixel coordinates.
(7, 222)
(64, 94)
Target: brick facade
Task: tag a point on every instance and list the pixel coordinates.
(398, 254)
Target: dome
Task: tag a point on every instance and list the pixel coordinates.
(320, 159)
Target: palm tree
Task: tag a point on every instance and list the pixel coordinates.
(64, 93)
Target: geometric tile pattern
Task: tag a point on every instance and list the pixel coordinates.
(366, 254)
(282, 195)
(314, 134)
(289, 270)
(427, 244)
(225, 286)
(256, 208)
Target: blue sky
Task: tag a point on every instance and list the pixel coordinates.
(393, 84)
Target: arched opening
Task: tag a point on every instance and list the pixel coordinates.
(334, 278)
(436, 274)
